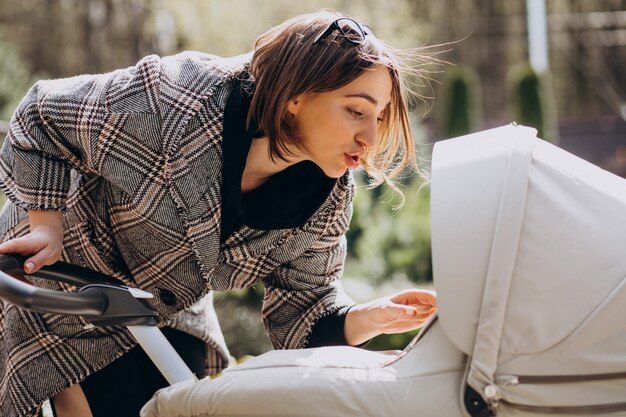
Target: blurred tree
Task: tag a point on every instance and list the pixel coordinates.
(15, 79)
(229, 28)
(61, 38)
(488, 38)
(461, 102)
(530, 106)
(394, 243)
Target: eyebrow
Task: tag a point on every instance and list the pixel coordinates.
(365, 96)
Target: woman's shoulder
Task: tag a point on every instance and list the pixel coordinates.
(196, 77)
(205, 60)
(204, 69)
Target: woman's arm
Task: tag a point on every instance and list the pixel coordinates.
(44, 242)
(74, 124)
(64, 125)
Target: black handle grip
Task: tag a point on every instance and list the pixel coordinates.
(101, 300)
(91, 302)
(60, 271)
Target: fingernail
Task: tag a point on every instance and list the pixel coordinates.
(29, 267)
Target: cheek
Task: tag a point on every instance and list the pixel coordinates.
(332, 135)
(334, 124)
(322, 124)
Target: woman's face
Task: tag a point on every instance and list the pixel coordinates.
(339, 126)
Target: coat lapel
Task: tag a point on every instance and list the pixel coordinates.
(194, 95)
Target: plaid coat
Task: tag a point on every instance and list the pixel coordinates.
(134, 159)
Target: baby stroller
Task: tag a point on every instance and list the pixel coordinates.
(529, 264)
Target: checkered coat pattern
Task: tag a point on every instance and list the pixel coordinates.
(134, 159)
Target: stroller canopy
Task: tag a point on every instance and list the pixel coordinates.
(529, 258)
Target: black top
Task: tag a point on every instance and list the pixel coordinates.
(285, 201)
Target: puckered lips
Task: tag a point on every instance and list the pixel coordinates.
(353, 159)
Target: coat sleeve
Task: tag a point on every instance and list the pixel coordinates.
(66, 124)
(300, 292)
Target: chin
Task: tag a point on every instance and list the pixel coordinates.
(336, 172)
(333, 170)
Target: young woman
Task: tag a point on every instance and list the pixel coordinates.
(193, 173)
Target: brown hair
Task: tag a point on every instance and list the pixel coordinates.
(287, 62)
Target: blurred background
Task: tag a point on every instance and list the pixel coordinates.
(557, 65)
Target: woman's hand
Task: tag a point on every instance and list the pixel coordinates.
(44, 243)
(398, 313)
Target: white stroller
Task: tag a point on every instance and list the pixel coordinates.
(529, 262)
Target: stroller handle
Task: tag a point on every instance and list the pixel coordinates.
(101, 299)
(90, 302)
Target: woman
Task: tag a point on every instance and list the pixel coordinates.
(192, 173)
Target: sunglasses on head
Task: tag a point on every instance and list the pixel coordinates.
(351, 30)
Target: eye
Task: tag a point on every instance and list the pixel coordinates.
(354, 113)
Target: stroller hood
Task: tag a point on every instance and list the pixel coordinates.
(529, 257)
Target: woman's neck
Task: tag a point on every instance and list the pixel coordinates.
(259, 166)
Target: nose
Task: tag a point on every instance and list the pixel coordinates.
(368, 137)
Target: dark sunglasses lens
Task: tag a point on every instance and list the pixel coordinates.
(351, 30)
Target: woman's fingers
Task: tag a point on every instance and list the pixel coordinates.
(414, 303)
(42, 248)
(404, 323)
(42, 258)
(22, 245)
(415, 297)
(410, 313)
(25, 246)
